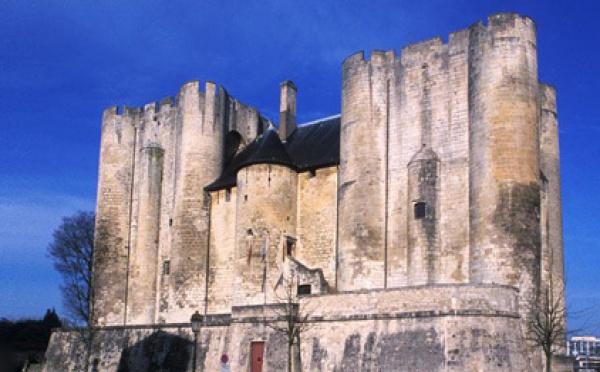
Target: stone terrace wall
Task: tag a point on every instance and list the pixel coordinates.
(434, 328)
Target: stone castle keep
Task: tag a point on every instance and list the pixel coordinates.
(419, 227)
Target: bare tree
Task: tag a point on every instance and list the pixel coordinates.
(71, 251)
(291, 314)
(548, 325)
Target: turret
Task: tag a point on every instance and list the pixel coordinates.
(552, 254)
(423, 234)
(504, 156)
(113, 215)
(142, 283)
(200, 140)
(363, 170)
(266, 214)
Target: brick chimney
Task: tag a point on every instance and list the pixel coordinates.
(287, 110)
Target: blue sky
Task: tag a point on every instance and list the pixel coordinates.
(63, 61)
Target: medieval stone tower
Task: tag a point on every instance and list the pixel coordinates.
(420, 227)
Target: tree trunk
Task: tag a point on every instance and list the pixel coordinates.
(548, 362)
(289, 361)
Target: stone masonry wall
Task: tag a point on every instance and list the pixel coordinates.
(266, 213)
(504, 171)
(363, 171)
(148, 225)
(317, 220)
(464, 127)
(222, 255)
(113, 212)
(423, 328)
(550, 167)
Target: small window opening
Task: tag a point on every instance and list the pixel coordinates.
(290, 245)
(166, 267)
(304, 289)
(228, 194)
(245, 197)
(249, 232)
(170, 222)
(313, 172)
(420, 210)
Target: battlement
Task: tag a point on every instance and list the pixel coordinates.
(163, 104)
(509, 20)
(497, 25)
(423, 216)
(378, 57)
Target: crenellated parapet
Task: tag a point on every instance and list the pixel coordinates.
(368, 93)
(152, 210)
(428, 211)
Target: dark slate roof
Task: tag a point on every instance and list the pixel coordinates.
(315, 145)
(311, 146)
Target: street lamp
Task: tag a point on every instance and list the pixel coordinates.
(196, 321)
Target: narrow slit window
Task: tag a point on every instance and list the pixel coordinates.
(420, 208)
(290, 245)
(227, 194)
(166, 267)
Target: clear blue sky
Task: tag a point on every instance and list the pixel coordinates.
(63, 61)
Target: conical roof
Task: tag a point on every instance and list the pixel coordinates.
(425, 153)
(268, 150)
(265, 149)
(313, 145)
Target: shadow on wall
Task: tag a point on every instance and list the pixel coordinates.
(160, 351)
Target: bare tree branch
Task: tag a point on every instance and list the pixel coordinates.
(548, 324)
(291, 316)
(72, 252)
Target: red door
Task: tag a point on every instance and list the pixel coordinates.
(256, 356)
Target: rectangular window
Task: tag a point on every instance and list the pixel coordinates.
(290, 245)
(420, 209)
(304, 289)
(166, 267)
(228, 195)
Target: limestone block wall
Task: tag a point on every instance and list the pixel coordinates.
(142, 284)
(222, 253)
(366, 93)
(140, 349)
(164, 119)
(474, 102)
(153, 214)
(462, 343)
(463, 127)
(113, 215)
(201, 147)
(552, 257)
(434, 328)
(423, 232)
(504, 153)
(266, 213)
(433, 113)
(426, 104)
(317, 221)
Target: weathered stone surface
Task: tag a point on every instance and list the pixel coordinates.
(425, 249)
